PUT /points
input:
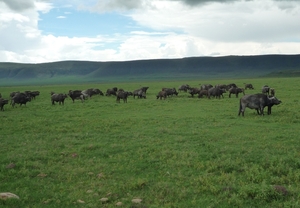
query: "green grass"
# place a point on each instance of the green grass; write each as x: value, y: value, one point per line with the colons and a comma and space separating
x: 178, y: 152
x: 161, y: 77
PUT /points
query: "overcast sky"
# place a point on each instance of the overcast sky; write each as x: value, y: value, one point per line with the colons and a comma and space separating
x: 36, y: 31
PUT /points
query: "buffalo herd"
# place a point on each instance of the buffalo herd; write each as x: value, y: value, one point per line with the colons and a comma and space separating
x: 266, y: 98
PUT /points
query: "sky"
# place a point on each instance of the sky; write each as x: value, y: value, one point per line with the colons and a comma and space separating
x: 39, y: 31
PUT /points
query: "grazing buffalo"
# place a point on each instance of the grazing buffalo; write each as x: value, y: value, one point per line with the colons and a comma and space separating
x: 265, y: 89
x: 203, y: 93
x: 98, y: 92
x: 236, y: 91
x: 76, y: 95
x: 257, y: 102
x: 162, y: 94
x: 129, y: 93
x: 184, y: 88
x: 248, y: 86
x: 20, y: 98
x: 32, y: 94
x: 139, y: 93
x: 112, y: 91
x: 2, y: 103
x: 170, y: 91
x: 92, y: 91
x: 60, y: 98
x: 121, y: 94
x: 215, y: 92
x: 193, y: 91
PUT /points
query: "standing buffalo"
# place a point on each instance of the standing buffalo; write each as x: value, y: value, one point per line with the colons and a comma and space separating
x: 121, y: 94
x: 162, y: 94
x: 144, y: 89
x: 203, y: 93
x: 170, y: 91
x: 236, y: 91
x: 92, y: 91
x: 265, y: 89
x: 60, y: 98
x: 193, y: 91
x: 248, y: 86
x: 272, y: 92
x: 206, y: 86
x: 19, y: 98
x: 32, y: 94
x: 231, y: 85
x: 12, y: 94
x: 215, y: 92
x: 184, y: 88
x: 112, y: 91
x: 222, y: 86
x: 139, y: 93
x: 2, y: 103
x: 76, y: 94
x: 258, y: 102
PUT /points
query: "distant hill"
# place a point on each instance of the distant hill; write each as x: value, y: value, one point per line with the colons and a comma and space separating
x: 226, y: 66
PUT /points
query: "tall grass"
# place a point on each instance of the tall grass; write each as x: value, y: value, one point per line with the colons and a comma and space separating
x: 178, y: 152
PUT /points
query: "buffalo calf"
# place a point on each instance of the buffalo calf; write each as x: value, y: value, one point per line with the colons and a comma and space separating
x: 2, y: 103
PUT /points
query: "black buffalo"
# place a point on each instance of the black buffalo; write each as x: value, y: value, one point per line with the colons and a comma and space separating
x: 2, y: 103
x: 265, y: 89
x: 121, y: 94
x: 60, y: 98
x: 161, y: 94
x: 257, y: 102
x: 272, y: 92
x: 184, y: 88
x: 92, y: 91
x: 139, y: 93
x: 203, y: 93
x: 248, y: 86
x: 20, y: 98
x: 206, y: 86
x: 222, y: 86
x: 32, y: 94
x: 112, y: 91
x: 170, y: 91
x: 231, y: 85
x: 194, y: 91
x: 215, y: 92
x: 76, y: 95
x: 236, y: 91
x: 144, y: 89
x: 12, y: 94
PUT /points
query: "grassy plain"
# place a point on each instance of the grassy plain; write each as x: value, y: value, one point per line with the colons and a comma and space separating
x: 178, y: 152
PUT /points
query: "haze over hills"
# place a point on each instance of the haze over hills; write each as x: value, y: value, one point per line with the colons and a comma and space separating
x: 227, y: 66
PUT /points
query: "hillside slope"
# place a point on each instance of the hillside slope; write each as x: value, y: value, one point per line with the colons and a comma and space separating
x: 237, y: 66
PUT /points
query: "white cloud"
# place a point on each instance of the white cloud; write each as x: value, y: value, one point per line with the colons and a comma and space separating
x: 167, y: 29
x: 18, y: 5
x: 243, y: 21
